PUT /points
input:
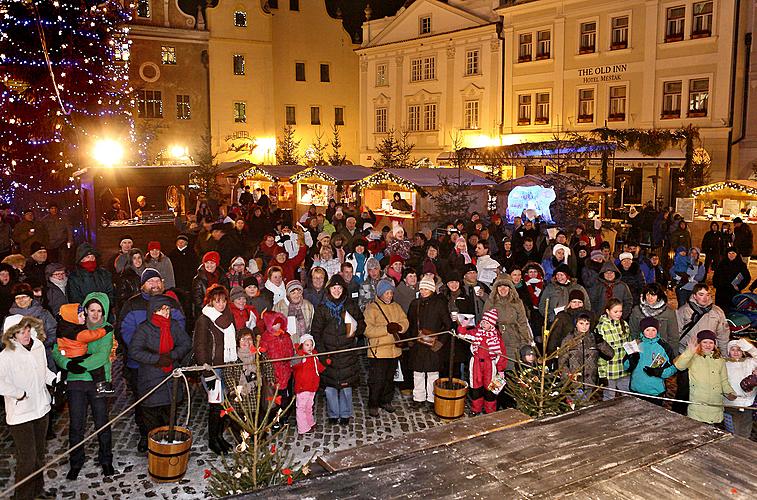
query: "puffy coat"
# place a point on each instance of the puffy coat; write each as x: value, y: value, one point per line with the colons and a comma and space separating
x: 145, y: 349
x: 618, y: 289
x: 200, y: 284
x: 557, y: 295
x: 726, y: 272
x: 564, y: 324
x: 82, y: 282
x: 583, y: 356
x: 331, y: 335
x: 127, y: 285
x: 207, y: 342
x: 278, y: 345
x: 49, y: 326
x: 184, y: 264
x: 708, y: 383
x: 512, y: 321
x: 634, y: 278
x: 380, y: 340
x: 712, y: 318
x: 164, y: 266
x: 430, y: 313
x: 307, y: 373
x: 24, y: 370
x: 649, y: 348
x: 662, y: 312
x: 739, y: 370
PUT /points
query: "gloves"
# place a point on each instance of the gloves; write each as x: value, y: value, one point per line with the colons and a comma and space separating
x: 632, y: 358
x: 164, y: 360
x: 108, y: 329
x: 653, y: 372
x: 75, y: 368
x: 394, y: 328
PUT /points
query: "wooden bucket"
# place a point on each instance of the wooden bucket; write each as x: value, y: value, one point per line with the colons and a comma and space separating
x: 449, y: 403
x: 167, y: 463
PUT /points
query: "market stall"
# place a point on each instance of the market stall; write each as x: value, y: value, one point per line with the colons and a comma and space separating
x: 273, y: 180
x: 721, y: 202
x: 151, y: 197
x: 416, y: 187
x: 319, y: 184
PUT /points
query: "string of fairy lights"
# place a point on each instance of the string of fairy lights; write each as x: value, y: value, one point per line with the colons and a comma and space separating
x: 718, y: 186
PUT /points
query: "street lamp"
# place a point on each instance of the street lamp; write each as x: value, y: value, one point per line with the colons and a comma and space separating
x: 107, y: 152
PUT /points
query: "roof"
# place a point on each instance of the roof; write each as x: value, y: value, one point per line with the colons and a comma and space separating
x: 333, y: 173
x: 737, y: 188
x: 542, y: 179
x: 272, y: 172
x: 419, y: 178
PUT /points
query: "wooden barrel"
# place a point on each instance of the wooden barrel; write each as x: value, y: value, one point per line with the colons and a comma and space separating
x: 167, y: 463
x: 449, y: 403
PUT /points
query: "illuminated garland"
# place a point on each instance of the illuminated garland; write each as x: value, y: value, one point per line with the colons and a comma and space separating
x: 723, y: 185
x: 312, y: 172
x: 384, y: 177
x: 253, y: 171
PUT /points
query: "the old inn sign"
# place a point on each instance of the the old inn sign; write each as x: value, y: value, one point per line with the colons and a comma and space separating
x: 608, y: 73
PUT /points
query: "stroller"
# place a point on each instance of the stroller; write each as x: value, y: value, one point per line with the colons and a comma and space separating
x: 742, y: 320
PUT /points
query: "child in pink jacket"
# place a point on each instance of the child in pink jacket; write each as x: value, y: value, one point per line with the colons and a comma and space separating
x: 488, y: 359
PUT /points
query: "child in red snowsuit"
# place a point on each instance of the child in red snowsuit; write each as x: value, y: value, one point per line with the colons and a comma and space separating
x: 487, y: 360
x: 278, y: 344
x: 307, y: 377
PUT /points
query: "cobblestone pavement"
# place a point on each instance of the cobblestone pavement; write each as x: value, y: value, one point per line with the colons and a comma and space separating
x: 132, y: 480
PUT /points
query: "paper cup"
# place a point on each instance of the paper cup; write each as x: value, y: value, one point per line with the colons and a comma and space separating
x: 453, y: 314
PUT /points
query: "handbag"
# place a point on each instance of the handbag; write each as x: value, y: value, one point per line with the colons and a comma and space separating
x: 396, y: 336
x: 425, y: 334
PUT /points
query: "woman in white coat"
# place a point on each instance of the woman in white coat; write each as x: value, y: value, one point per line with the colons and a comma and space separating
x: 23, y: 379
x: 741, y: 364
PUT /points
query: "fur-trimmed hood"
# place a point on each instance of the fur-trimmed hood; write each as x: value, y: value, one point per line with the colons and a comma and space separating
x: 15, y: 323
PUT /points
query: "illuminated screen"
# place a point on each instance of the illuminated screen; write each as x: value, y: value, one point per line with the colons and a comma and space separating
x: 536, y: 198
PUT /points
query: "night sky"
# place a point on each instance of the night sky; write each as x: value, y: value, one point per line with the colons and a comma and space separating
x: 353, y: 11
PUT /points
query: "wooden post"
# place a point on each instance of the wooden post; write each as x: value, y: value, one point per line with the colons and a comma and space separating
x: 450, y: 383
x: 172, y: 415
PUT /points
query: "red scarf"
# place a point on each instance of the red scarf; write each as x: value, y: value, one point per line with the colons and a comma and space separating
x: 89, y: 265
x: 166, y: 341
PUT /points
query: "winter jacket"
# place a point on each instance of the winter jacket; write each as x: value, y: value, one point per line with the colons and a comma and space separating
x: 726, y: 273
x: 81, y: 282
x: 711, y: 318
x: 590, y: 273
x: 404, y: 295
x: 308, y: 311
x: 307, y: 373
x: 200, y: 285
x: 367, y: 292
x: 469, y: 302
x: 680, y: 238
x: 431, y: 314
x: 23, y: 237
x: 24, y: 371
x: 712, y: 243
x: 164, y: 266
x: 615, y: 333
x: 583, y: 356
x: 58, y: 230
x: 145, y: 350
x: 558, y: 295
x: 662, y: 312
x: 133, y: 313
x: 742, y: 240
x: 615, y: 289
x: 35, y: 310
x: 641, y: 381
x: 127, y: 285
x: 634, y: 278
x: 278, y: 346
x: 207, y: 342
x: 330, y: 334
x: 739, y: 370
x: 54, y: 297
x: 185, y: 263
x: 708, y: 383
x: 380, y: 340
x: 512, y: 321
x: 5, y: 237
x: 564, y: 324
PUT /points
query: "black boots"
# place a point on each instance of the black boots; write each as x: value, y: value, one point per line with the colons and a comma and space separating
x: 215, y: 431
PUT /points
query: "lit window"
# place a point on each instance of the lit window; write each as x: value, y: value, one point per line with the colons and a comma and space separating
x: 381, y: 75
x: 414, y: 118
x: 429, y: 117
x: 472, y: 66
x: 183, y: 110
x: 238, y: 64
x: 143, y: 8
x: 525, y: 48
x: 702, y: 25
x: 315, y: 115
x: 619, y: 33
x: 699, y: 94
x: 424, y: 26
x: 240, y: 18
x: 544, y: 44
x: 470, y: 115
x: 380, y: 120
x: 168, y: 54
x: 299, y: 71
x: 240, y: 112
x: 671, y: 99
x: 588, y: 38
x: 149, y: 104
x: 325, y: 73
x: 291, y: 115
x: 542, y: 108
x: 524, y: 109
x: 585, y: 105
x: 617, y: 104
x: 338, y: 116
x: 674, y: 21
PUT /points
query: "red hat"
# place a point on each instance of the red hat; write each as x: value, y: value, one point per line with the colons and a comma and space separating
x: 214, y: 256
x: 270, y: 318
x: 490, y: 316
x: 153, y: 245
x: 395, y: 258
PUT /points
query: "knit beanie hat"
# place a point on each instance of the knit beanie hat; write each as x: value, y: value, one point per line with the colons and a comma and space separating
x: 153, y: 245
x: 372, y: 263
x: 563, y: 268
x: 149, y: 273
x: 561, y: 247
x: 427, y: 283
x: 36, y: 247
x: 526, y: 350
x: 490, y: 316
x: 649, y: 322
x: 597, y: 254
x: 125, y: 237
x: 212, y: 256
x: 395, y: 258
x: 384, y: 286
x: 707, y: 335
x: 293, y: 285
x: 236, y: 293
x: 576, y: 295
x: 625, y: 255
x: 237, y: 260
x: 70, y: 313
x: 250, y: 281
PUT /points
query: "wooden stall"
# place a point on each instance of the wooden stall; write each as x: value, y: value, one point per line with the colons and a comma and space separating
x: 721, y: 202
x: 164, y: 189
x: 274, y: 180
x: 319, y: 184
x: 416, y: 186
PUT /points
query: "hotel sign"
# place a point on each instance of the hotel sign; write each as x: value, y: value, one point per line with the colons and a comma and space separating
x: 608, y: 73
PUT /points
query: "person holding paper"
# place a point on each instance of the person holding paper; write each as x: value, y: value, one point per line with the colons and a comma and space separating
x: 651, y: 362
x: 614, y: 330
x: 730, y: 278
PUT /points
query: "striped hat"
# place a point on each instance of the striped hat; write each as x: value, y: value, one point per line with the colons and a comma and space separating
x: 490, y: 316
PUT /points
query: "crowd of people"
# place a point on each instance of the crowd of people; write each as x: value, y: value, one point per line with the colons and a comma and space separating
x: 249, y: 283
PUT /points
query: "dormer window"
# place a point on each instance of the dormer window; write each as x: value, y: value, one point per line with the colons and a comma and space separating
x: 425, y: 25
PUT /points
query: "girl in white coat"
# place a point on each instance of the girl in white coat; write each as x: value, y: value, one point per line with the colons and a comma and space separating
x: 23, y: 379
x: 741, y: 363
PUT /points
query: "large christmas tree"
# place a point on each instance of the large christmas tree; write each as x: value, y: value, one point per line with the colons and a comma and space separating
x: 64, y: 86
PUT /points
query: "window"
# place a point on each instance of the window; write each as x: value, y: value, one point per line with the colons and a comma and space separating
x: 671, y: 99
x: 524, y: 47
x: 291, y: 115
x: 524, y: 109
x: 470, y: 115
x: 472, y: 66
x: 315, y: 115
x: 674, y: 21
x: 702, y: 25
x: 299, y: 71
x: 121, y: 51
x: 619, y: 33
x: 240, y: 18
x: 585, y: 105
x: 588, y: 38
x: 240, y: 112
x: 542, y: 108
x: 338, y: 116
x: 325, y: 73
x: 414, y: 118
x: 429, y: 117
x: 544, y: 44
x: 143, y: 8
x: 424, y: 25
x: 238, y: 64
x: 381, y: 75
x: 380, y: 120
x: 183, y: 111
x: 294, y: 4
x: 168, y: 54
x: 149, y: 104
x: 617, y: 104
x: 423, y: 68
x: 699, y: 94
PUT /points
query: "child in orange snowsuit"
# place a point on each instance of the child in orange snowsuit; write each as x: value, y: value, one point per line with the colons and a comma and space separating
x: 73, y: 337
x: 488, y: 359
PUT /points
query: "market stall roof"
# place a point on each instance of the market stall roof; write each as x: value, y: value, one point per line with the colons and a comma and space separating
x: 139, y: 175
x: 420, y: 178
x: 332, y: 173
x: 741, y: 189
x: 542, y: 179
x: 542, y: 149
x: 274, y: 173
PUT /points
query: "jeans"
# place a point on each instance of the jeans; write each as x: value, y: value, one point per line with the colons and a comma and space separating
x: 29, y: 439
x: 80, y: 396
x: 423, y: 389
x: 381, y: 381
x: 622, y: 383
x: 339, y: 402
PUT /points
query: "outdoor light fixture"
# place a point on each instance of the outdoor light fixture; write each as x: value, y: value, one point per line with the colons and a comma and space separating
x: 178, y: 152
x: 108, y: 152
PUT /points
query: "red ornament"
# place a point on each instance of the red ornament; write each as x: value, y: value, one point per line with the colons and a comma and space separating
x: 262, y: 349
x: 289, y: 480
x: 273, y: 448
x: 286, y: 472
x: 226, y: 411
x: 207, y: 474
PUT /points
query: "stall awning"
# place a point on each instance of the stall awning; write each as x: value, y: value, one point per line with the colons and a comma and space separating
x: 139, y: 175
x: 420, y: 178
x: 544, y: 179
x: 273, y: 173
x: 333, y: 174
x: 744, y: 189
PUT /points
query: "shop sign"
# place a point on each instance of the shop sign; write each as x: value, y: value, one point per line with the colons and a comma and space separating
x: 608, y: 73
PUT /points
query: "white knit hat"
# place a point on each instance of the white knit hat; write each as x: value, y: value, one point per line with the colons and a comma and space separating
x: 625, y: 255
x: 427, y: 283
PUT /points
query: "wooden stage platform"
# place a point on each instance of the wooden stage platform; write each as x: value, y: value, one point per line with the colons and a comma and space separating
x: 625, y: 448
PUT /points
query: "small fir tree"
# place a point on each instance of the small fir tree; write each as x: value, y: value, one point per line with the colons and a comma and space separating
x: 336, y: 157
x: 287, y: 148
x: 316, y: 154
x: 387, y: 151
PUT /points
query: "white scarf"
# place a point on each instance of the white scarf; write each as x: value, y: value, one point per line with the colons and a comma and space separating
x: 279, y: 292
x: 229, y: 334
x: 61, y: 284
